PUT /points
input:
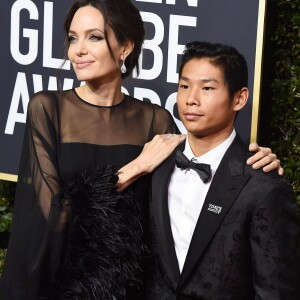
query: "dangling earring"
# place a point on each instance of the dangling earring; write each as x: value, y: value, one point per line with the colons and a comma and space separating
x: 123, y: 67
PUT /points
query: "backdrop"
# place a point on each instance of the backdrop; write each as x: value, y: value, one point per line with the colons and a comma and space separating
x: 31, y: 55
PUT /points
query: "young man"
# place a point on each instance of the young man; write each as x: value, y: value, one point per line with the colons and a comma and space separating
x: 223, y: 231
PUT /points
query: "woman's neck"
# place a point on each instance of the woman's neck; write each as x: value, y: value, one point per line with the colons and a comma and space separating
x: 104, y: 94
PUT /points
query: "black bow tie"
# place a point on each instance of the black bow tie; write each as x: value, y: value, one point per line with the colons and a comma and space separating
x: 203, y: 170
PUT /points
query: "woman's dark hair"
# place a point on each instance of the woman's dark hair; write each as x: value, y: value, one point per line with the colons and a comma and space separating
x: 232, y: 63
x: 125, y: 21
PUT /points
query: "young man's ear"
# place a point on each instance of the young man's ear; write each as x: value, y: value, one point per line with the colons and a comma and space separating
x: 240, y: 99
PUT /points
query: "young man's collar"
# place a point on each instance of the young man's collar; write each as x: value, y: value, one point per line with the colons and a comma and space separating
x: 210, y: 156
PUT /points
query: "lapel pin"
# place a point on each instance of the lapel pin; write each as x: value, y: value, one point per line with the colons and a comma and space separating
x: 214, y: 208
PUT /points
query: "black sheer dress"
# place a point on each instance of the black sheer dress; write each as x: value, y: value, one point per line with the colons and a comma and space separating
x: 73, y: 236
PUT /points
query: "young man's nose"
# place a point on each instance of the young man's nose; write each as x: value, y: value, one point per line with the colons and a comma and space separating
x: 193, y: 97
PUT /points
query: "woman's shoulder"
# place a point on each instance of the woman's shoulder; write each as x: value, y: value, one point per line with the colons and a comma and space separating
x: 47, y: 99
x: 161, y: 119
x: 148, y: 106
x: 46, y: 95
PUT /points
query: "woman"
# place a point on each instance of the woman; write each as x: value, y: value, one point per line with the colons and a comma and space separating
x: 73, y: 235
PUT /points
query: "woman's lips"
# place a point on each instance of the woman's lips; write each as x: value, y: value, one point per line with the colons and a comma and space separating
x: 83, y: 64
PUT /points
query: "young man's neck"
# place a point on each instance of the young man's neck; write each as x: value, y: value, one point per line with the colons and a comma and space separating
x: 202, y: 144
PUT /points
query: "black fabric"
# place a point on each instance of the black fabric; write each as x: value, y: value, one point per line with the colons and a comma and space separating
x: 104, y: 250
x: 203, y: 170
x: 248, y: 250
x: 66, y: 137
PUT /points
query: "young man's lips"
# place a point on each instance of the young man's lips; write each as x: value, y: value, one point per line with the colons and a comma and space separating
x: 192, y: 116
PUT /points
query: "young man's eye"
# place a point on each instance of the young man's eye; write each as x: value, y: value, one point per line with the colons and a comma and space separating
x: 183, y: 86
x: 208, y: 88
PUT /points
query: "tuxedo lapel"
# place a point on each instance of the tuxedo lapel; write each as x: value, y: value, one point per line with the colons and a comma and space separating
x: 162, y: 235
x: 225, y: 187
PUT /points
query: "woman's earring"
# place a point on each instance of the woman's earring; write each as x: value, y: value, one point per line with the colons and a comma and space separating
x: 123, y: 67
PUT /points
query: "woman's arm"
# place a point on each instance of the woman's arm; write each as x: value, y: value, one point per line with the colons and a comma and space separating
x: 37, y: 234
x: 161, y: 146
x: 157, y: 150
x: 153, y: 154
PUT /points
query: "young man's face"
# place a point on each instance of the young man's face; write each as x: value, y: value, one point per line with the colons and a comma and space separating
x: 204, y: 104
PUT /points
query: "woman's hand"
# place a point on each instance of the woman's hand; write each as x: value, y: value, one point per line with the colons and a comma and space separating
x: 157, y: 150
x: 153, y: 154
x: 264, y: 158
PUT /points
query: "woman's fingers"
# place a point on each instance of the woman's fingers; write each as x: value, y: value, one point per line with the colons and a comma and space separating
x: 264, y: 158
x: 159, y: 148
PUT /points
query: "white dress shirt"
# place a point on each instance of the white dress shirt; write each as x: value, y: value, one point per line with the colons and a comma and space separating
x: 186, y: 195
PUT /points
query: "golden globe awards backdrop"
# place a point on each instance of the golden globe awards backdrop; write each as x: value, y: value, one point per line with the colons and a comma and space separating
x: 32, y: 53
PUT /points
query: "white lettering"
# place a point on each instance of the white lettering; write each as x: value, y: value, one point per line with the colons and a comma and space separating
x: 68, y: 84
x: 153, y: 45
x: 174, y: 47
x: 170, y: 103
x: 52, y: 83
x: 193, y: 3
x: 20, y: 93
x: 48, y: 60
x: 152, y: 1
x: 173, y: 2
x: 31, y: 34
x: 37, y: 82
x: 141, y: 93
x: 123, y: 90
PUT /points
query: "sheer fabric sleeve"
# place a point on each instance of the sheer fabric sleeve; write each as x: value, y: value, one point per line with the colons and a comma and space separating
x: 39, y: 212
x: 162, y: 122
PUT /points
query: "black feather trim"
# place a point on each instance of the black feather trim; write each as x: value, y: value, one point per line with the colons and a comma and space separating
x: 104, y: 246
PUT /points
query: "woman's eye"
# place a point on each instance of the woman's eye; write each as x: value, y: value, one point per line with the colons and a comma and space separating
x: 71, y: 39
x: 96, y: 37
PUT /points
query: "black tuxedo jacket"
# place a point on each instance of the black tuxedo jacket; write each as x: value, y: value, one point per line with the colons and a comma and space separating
x: 246, y: 251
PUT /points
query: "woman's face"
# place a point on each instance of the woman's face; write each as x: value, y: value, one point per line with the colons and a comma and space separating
x: 88, y: 50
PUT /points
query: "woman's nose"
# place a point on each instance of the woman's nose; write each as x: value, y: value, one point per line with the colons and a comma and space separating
x: 80, y: 48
